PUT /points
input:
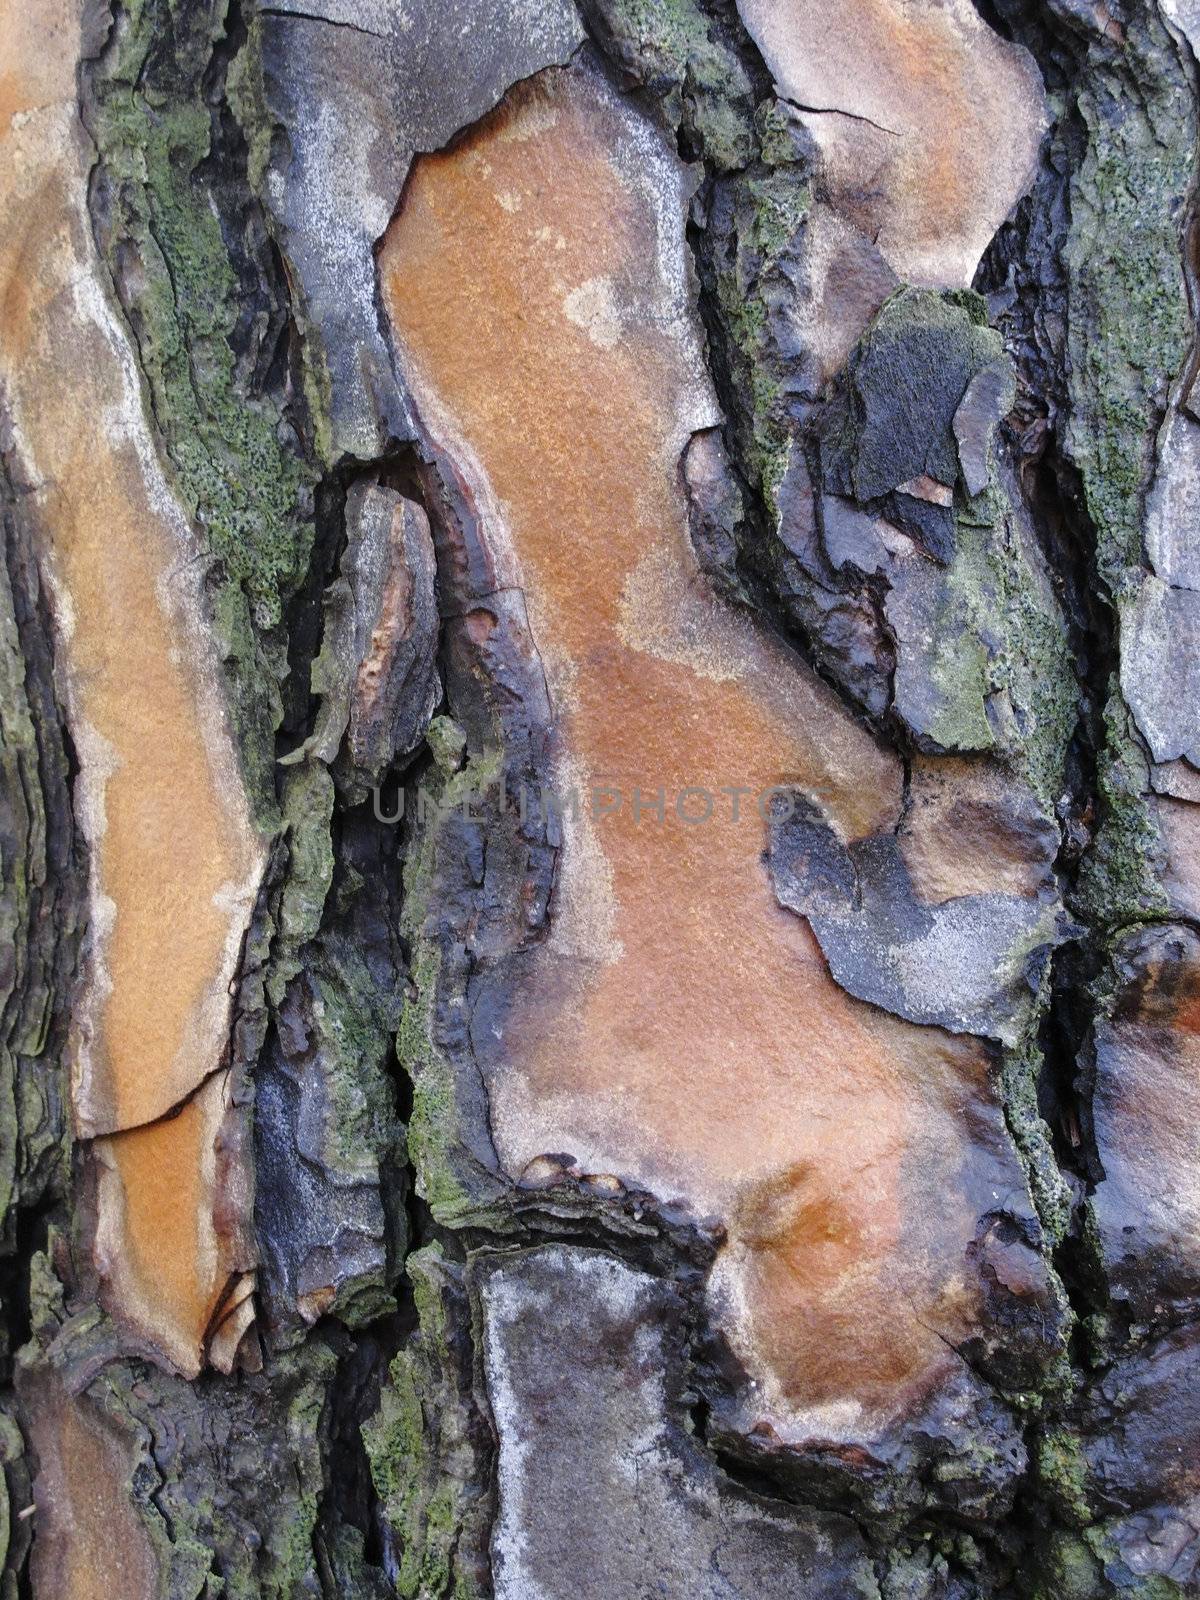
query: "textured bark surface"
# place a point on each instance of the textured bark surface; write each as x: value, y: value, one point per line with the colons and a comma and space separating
x: 599, y: 754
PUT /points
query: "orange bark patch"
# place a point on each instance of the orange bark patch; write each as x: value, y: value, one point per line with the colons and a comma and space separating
x: 158, y: 1244
x: 677, y: 1026
x: 939, y: 125
x: 174, y: 860
x: 170, y: 840
x: 91, y: 1544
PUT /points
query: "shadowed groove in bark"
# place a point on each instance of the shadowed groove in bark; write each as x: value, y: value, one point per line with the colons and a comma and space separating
x: 1030, y: 286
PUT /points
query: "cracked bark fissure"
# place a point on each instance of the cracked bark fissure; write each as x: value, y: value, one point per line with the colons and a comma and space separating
x: 428, y: 413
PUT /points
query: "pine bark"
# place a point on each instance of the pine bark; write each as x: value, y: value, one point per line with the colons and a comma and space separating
x: 599, y: 757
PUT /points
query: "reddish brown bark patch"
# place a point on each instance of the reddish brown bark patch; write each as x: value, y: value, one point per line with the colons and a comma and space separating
x: 677, y: 1027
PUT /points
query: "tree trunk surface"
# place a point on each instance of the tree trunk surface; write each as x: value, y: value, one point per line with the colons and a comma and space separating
x: 599, y: 783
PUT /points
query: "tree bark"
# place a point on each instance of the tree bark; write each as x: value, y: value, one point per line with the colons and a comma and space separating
x: 599, y: 757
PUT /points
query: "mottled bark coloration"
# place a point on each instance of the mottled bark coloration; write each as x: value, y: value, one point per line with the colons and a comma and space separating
x: 599, y: 762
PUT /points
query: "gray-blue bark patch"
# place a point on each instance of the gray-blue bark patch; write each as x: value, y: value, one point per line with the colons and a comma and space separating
x: 969, y: 964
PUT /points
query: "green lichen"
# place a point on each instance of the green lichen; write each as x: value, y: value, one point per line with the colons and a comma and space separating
x: 780, y: 204
x: 775, y: 124
x: 955, y: 660
x: 1128, y: 327
x: 1033, y: 676
x: 433, y: 1118
x: 22, y: 862
x: 1068, y: 1571
x: 160, y: 225
x: 1089, y: 1566
x: 673, y: 48
x: 1019, y: 1074
x: 345, y: 1569
x: 1128, y: 336
x: 8, y: 1577
x: 397, y: 1449
x: 350, y: 1015
x: 247, y: 92
x: 688, y: 61
x: 307, y: 797
x: 419, y: 1443
x: 353, y: 1035
x: 244, y: 1501
x: 153, y: 128
x: 18, y: 764
x: 1120, y: 879
x: 435, y: 1141
x: 1010, y: 682
x: 447, y: 744
x: 16, y: 1494
x: 984, y: 661
x: 39, y: 893
x: 253, y: 668
x: 350, y: 1021
x: 769, y: 211
x: 1062, y: 1476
